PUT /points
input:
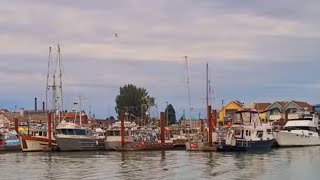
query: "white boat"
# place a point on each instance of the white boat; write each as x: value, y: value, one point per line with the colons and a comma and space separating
x: 73, y: 137
x: 300, y: 131
x: 113, y: 135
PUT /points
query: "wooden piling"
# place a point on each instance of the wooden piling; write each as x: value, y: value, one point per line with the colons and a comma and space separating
x: 202, y: 127
x: 214, y: 119
x: 16, y: 125
x: 28, y: 125
x: 210, y: 125
x: 49, y: 128
x: 162, y: 124
x: 122, y: 129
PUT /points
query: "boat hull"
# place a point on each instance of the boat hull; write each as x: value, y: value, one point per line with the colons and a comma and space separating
x: 11, y: 146
x: 80, y: 144
x: 33, y: 144
x: 247, y: 145
x: 287, y: 139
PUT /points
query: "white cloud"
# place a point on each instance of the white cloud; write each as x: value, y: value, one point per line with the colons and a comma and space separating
x: 154, y: 36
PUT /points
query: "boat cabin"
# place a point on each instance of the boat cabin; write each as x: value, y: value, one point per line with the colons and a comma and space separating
x: 114, y: 134
x: 248, y: 126
x: 67, y: 128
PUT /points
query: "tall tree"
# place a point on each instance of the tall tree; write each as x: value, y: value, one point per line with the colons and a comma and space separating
x: 170, y: 114
x: 133, y: 100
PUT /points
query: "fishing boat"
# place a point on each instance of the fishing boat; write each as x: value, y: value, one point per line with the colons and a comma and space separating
x: 247, y: 132
x: 42, y: 139
x: 300, y: 130
x: 38, y: 140
x: 9, y: 140
x: 73, y: 137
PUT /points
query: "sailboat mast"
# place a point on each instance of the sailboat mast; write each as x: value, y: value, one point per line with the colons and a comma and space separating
x: 48, y: 74
x: 188, y: 84
x: 60, y: 77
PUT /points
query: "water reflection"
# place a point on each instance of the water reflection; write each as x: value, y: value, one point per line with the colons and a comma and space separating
x: 276, y: 164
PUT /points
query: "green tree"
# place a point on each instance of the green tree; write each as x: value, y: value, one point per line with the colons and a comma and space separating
x: 170, y: 114
x: 134, y: 100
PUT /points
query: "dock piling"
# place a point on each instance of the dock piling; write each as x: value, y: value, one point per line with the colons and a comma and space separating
x: 162, y: 124
x: 122, y: 128
x: 210, y: 125
x: 49, y: 131
x: 16, y: 125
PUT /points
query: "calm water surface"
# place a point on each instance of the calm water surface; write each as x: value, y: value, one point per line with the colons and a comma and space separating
x: 288, y: 163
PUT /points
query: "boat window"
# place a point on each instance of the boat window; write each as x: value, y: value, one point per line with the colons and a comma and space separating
x: 248, y: 133
x: 109, y: 133
x: 71, y: 132
x: 44, y: 133
x: 259, y: 134
x: 12, y: 137
x: 40, y: 133
x: 126, y: 133
x: 314, y: 129
x: 298, y: 128
x: 237, y: 132
x: 64, y: 131
x: 80, y: 132
x: 269, y: 131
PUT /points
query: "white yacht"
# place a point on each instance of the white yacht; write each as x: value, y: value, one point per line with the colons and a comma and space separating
x: 300, y: 131
x: 72, y: 137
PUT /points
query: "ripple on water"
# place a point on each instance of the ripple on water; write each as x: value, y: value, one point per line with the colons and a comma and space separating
x: 284, y: 163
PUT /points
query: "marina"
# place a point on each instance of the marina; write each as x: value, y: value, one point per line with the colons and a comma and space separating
x: 159, y: 90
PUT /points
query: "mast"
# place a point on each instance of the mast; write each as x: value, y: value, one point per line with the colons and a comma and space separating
x: 48, y: 74
x: 60, y: 78
x: 54, y: 89
x: 188, y: 84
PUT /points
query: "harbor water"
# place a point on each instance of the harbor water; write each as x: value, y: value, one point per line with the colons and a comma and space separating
x: 286, y: 163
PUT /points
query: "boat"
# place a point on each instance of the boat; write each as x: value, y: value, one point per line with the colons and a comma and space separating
x: 135, y: 140
x: 42, y: 139
x: 113, y: 139
x: 247, y: 133
x: 301, y: 130
x: 9, y: 140
x: 38, y: 140
x: 73, y: 137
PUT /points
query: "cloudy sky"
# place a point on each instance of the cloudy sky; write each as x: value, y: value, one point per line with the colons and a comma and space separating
x: 258, y: 51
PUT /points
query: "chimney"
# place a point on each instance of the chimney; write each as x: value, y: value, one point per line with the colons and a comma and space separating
x: 35, y: 104
x: 43, y: 106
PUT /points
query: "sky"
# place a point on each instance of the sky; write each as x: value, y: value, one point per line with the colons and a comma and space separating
x: 257, y: 51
